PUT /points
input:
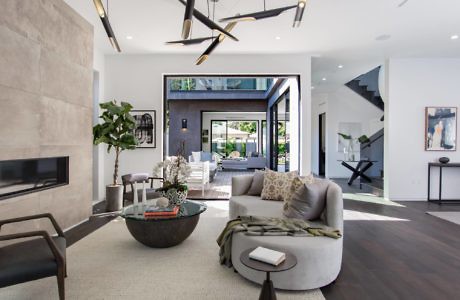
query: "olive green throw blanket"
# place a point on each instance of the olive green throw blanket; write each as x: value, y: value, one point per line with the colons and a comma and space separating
x: 267, y: 226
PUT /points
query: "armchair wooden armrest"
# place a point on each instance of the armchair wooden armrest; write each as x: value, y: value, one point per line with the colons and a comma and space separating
x: 39, y: 233
x: 33, y: 217
x: 161, y: 179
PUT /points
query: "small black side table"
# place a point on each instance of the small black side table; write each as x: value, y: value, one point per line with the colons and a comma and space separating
x: 268, y: 291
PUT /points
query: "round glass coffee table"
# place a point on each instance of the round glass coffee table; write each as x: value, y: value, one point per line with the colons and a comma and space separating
x: 162, y: 232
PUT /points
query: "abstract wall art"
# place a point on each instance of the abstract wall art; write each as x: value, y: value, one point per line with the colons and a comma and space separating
x: 145, y: 128
x: 441, y: 129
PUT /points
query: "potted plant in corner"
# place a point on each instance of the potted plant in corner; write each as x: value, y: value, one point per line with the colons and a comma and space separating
x: 116, y: 131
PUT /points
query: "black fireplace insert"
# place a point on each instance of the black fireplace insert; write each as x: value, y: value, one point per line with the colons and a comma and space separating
x: 24, y: 176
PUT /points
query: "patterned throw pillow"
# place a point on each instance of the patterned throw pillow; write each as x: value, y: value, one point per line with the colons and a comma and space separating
x: 277, y: 185
x: 297, y: 183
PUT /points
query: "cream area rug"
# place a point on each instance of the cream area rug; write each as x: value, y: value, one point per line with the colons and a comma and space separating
x: 110, y: 264
x: 451, y: 216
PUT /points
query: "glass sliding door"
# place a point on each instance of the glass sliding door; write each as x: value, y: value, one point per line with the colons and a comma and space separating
x: 264, y: 139
x: 219, y: 137
x: 280, y: 137
x: 234, y: 138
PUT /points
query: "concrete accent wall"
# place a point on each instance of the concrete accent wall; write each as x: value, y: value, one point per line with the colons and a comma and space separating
x: 191, y: 110
x: 46, y: 59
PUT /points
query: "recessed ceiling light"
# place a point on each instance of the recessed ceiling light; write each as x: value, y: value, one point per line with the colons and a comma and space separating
x: 383, y: 37
x: 278, y: 38
x: 340, y: 66
x: 312, y: 87
x: 324, y: 79
x: 454, y: 37
x: 129, y: 37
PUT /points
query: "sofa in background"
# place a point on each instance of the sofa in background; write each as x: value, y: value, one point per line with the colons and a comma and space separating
x: 253, y: 161
x: 206, y: 156
x: 319, y: 259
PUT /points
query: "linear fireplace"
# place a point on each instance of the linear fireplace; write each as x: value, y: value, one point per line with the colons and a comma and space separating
x: 24, y: 176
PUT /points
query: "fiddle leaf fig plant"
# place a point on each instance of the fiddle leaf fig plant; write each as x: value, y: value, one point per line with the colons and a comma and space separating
x: 116, y: 130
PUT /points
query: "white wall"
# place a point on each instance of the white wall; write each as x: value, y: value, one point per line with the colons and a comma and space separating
x: 341, y: 106
x: 414, y: 84
x: 139, y: 80
x: 208, y: 116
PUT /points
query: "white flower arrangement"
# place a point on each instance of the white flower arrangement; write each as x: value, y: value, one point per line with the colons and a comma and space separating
x: 175, y: 172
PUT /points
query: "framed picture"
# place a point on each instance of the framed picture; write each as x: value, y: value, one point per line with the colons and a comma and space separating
x: 352, y: 129
x: 205, y: 132
x: 205, y: 139
x: 145, y: 131
x: 440, y: 128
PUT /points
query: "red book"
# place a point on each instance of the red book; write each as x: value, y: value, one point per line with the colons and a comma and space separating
x: 162, y: 213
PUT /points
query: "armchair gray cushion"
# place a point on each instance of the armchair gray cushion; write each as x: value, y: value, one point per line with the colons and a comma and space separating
x: 29, y: 260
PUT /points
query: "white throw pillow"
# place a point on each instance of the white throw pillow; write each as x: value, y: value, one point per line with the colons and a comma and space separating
x: 196, y: 156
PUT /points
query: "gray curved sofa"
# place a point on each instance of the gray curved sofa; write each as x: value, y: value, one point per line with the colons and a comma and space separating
x: 319, y: 259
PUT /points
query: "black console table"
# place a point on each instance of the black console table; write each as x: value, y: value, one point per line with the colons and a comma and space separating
x: 440, y: 166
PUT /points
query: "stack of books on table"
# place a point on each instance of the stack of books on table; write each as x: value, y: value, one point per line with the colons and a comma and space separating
x: 268, y: 256
x: 159, y: 212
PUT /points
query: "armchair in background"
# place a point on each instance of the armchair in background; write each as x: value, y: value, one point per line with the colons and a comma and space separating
x: 202, y: 156
x: 199, y: 174
x: 130, y: 179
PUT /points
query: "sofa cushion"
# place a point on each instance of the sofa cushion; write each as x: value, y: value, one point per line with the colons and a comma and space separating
x: 308, y: 202
x: 297, y: 183
x: 206, y: 156
x: 253, y: 206
x: 257, y: 184
x: 277, y: 185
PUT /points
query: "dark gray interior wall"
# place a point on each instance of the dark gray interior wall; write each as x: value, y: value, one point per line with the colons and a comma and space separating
x: 191, y: 110
x: 374, y: 152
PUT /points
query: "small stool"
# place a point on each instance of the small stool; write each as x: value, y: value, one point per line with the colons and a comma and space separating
x: 268, y: 291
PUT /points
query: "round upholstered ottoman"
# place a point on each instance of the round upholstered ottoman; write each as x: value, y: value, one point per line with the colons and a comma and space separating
x: 318, y: 260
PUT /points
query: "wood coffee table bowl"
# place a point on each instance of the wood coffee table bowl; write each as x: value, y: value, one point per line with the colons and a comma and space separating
x: 163, y: 232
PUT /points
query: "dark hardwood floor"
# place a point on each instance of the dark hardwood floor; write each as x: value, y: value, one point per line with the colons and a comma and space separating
x: 417, y: 257
x: 95, y: 222
x: 414, y: 259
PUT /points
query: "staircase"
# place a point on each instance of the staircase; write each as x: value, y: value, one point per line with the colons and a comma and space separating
x: 367, y: 86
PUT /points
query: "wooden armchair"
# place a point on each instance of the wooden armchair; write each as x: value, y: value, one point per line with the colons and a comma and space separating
x: 33, y: 259
x: 129, y: 180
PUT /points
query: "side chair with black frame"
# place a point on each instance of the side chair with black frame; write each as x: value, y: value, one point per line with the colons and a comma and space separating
x: 33, y: 259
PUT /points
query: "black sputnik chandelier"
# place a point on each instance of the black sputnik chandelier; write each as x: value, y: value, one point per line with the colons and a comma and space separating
x: 192, y: 13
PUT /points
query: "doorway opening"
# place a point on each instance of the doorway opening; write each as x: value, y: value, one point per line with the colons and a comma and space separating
x: 322, y: 145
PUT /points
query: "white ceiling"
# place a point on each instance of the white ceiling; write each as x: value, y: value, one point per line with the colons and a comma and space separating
x: 333, y: 31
